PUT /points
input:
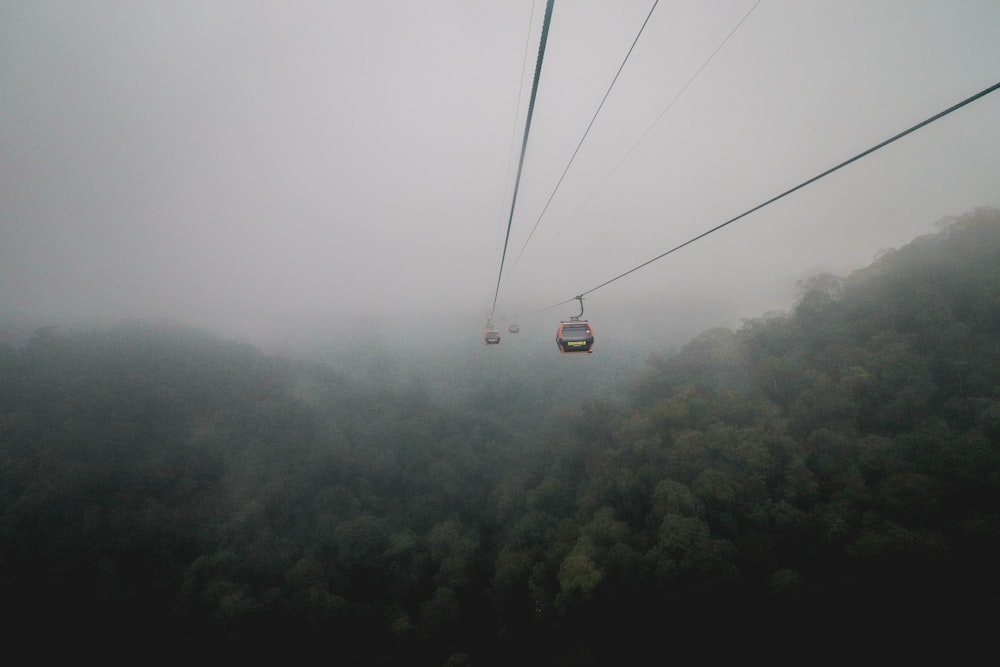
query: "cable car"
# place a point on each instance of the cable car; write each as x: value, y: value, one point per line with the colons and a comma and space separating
x: 575, y: 335
x: 492, y: 335
x: 513, y: 328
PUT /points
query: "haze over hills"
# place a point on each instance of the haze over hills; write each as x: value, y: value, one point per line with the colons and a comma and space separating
x: 248, y: 250
x: 827, y: 472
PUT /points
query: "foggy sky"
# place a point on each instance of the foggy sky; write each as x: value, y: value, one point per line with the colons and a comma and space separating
x: 263, y: 167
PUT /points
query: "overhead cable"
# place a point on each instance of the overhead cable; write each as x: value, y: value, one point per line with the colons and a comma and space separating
x: 517, y: 109
x: 587, y: 131
x: 829, y: 171
x: 524, y: 143
x: 664, y: 112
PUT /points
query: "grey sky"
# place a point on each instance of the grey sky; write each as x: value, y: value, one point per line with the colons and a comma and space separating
x: 256, y: 166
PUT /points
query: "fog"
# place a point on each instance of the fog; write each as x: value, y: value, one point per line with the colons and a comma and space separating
x: 292, y: 172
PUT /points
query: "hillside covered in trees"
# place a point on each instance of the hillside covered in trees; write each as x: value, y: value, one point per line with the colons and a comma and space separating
x: 817, y: 482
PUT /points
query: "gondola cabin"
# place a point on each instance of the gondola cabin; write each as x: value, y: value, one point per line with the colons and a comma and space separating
x: 513, y: 328
x: 575, y: 336
x: 492, y: 335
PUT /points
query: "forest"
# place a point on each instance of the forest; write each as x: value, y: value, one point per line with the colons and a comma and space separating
x: 816, y: 484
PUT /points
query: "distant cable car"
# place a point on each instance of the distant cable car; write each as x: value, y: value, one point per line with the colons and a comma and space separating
x: 492, y: 334
x: 575, y: 335
x: 513, y: 328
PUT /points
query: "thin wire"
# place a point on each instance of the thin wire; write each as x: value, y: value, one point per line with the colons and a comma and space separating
x: 517, y: 109
x: 660, y: 117
x: 829, y: 171
x: 586, y: 132
x: 524, y: 144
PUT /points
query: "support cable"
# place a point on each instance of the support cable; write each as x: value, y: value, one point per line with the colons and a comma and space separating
x: 524, y: 143
x: 586, y: 132
x: 520, y: 93
x: 662, y: 114
x: 829, y: 171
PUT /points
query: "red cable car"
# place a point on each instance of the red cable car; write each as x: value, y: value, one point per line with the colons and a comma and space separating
x: 575, y: 335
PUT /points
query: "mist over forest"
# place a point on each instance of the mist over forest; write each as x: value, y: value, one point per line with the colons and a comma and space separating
x: 805, y: 485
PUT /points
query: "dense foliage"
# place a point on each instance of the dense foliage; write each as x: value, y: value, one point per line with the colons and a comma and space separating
x: 828, y: 475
